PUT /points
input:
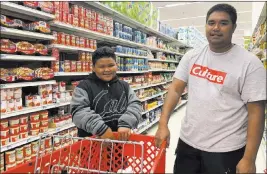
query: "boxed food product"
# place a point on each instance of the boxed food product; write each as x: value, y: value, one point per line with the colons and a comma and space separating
x: 36, y: 100
x: 3, y: 104
x: 17, y: 92
x: 3, y: 93
x: 40, y: 49
x: 72, y: 40
x: 55, y: 96
x: 55, y: 87
x: 61, y: 38
x: 49, y: 99
x: 3, y: 124
x: 4, y: 133
x: 43, y: 99
x: 29, y: 101
x: 42, y: 90
x: 73, y: 66
x: 10, y: 93
x: 14, y: 130
x: 11, y: 105
x: 62, y: 66
x: 34, y: 117
x: 31, y: 4
x: 46, y: 6
x: 18, y: 104
x: 23, y: 127
x: 25, y: 47
x: 67, y: 66
x: 5, y: 21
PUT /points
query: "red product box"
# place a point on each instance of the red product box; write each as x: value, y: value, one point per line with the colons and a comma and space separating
x: 75, y: 22
x: 70, y: 19
x: 72, y: 40
x: 73, y: 66
x: 55, y: 66
x: 75, y: 10
x: 61, y: 38
x: 57, y: 5
x: 92, y: 43
x: 87, y: 13
x: 93, y: 15
x: 93, y: 25
x: 54, y: 41
x: 64, y: 17
x: 81, y: 12
x: 87, y: 43
x: 86, y: 24
x: 81, y: 22
x: 58, y: 15
x: 65, y: 7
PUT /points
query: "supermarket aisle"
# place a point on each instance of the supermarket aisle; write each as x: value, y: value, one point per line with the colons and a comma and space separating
x: 175, y: 125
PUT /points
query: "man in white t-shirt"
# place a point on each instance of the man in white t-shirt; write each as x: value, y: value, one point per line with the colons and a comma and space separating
x: 224, y: 121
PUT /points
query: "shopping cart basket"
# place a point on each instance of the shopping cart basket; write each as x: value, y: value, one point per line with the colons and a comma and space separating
x: 92, y: 155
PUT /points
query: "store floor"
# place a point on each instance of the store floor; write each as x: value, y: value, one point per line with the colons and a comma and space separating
x: 175, y: 125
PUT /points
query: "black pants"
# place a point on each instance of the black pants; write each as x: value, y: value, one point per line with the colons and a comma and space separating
x: 193, y: 161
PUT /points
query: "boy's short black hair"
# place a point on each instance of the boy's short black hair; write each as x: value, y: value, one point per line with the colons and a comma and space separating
x: 224, y: 8
x: 103, y: 52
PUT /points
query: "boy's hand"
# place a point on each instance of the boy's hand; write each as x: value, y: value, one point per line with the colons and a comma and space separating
x: 124, y: 133
x: 108, y: 134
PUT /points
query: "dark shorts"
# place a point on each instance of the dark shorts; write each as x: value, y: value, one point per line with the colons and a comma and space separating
x: 193, y: 161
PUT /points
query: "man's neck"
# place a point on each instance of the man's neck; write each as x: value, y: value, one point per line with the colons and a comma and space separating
x: 220, y: 49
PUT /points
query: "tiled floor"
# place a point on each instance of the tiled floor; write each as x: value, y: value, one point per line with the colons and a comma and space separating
x: 174, y: 126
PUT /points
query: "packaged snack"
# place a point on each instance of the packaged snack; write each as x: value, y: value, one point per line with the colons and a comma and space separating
x: 8, y: 46
x: 18, y: 24
x: 77, y: 40
x: 61, y: 38
x: 44, y: 73
x: 72, y: 40
x: 67, y: 39
x: 18, y: 104
x: 64, y: 17
x: 29, y: 101
x: 79, y: 66
x: 40, y: 26
x: 23, y: 73
x: 11, y: 105
x: 25, y: 47
x: 5, y: 21
x: 54, y: 41
x: 41, y: 49
x: 55, y: 53
x: 82, y: 42
x: 46, y: 6
x: 73, y: 66
x: 17, y: 93
x: 81, y: 22
x: 67, y: 67
x: 75, y: 21
x: 55, y: 66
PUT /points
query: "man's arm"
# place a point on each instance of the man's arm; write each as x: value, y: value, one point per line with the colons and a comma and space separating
x: 255, y: 128
x: 174, y: 93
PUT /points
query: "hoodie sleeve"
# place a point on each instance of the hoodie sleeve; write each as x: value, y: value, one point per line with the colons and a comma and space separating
x: 132, y: 116
x: 82, y: 115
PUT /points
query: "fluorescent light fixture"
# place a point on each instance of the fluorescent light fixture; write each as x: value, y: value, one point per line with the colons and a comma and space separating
x: 183, y: 18
x: 178, y: 4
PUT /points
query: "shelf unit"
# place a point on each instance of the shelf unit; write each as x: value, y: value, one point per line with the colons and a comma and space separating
x: 71, y: 73
x: 157, y: 119
x: 162, y: 70
x: 260, y: 40
x: 34, y: 138
x: 167, y: 61
x: 33, y: 109
x: 70, y: 48
x: 154, y: 96
x: 10, y: 57
x: 22, y: 33
x: 148, y: 86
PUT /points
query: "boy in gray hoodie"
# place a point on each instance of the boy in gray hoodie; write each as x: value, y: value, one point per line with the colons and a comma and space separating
x: 102, y: 104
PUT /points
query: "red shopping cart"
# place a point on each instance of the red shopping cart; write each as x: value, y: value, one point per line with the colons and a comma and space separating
x: 92, y: 155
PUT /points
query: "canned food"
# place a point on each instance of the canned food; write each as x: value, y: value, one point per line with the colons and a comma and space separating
x: 2, y: 160
x: 75, y: 10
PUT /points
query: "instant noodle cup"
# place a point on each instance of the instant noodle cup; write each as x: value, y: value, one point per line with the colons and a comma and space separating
x: 35, y: 117
x: 14, y: 130
x: 10, y: 157
x: 34, y: 132
x: 34, y: 125
x: 43, y: 115
x: 4, y: 141
x: 14, y: 138
x: 23, y: 119
x: 27, y: 152
x: 3, y: 124
x: 14, y: 121
x: 24, y: 134
x: 4, y: 133
x: 23, y: 127
x: 19, y: 154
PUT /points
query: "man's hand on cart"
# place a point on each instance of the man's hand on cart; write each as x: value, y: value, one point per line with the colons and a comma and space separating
x: 108, y: 135
x: 124, y: 133
x: 163, y: 133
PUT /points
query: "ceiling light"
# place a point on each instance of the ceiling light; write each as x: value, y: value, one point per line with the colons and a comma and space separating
x: 178, y: 4
x: 183, y: 18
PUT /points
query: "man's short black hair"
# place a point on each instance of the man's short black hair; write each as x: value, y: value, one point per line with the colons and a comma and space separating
x: 103, y: 52
x: 223, y: 8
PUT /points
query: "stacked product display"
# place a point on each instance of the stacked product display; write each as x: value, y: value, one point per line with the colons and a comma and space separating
x: 46, y: 50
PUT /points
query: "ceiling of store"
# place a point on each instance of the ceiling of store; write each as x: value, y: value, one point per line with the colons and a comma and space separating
x: 181, y: 14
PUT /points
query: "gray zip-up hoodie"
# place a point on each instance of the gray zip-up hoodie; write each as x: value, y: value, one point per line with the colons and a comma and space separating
x: 97, y: 105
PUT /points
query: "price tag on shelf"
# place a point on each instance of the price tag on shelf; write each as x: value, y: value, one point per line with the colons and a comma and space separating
x: 3, y: 56
x: 8, y: 147
x: 29, y: 139
x: 2, y: 85
x: 58, y: 129
x: 2, y: 28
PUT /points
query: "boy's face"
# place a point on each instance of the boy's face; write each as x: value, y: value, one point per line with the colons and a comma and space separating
x: 105, y: 68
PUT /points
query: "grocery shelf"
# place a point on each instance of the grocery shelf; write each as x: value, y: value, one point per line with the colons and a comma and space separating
x: 131, y: 72
x: 162, y: 50
x: 34, y: 138
x: 260, y: 40
x: 261, y: 19
x: 130, y: 55
x: 152, y: 109
x: 158, y: 60
x: 12, y: 7
x: 258, y: 53
x: 93, y: 35
x: 25, y: 84
x: 33, y: 109
x: 132, y: 23
x: 161, y: 70
x: 181, y: 104
x: 154, y: 96
x: 9, y: 57
x: 70, y: 48
x: 71, y: 73
x: 148, y: 86
x: 22, y: 33
x: 264, y: 59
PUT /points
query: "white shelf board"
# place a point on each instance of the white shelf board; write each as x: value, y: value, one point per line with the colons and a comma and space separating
x: 70, y: 48
x: 148, y: 86
x: 34, y: 138
x: 154, y: 96
x: 8, y: 57
x: 133, y: 23
x: 22, y: 33
x: 129, y: 55
x: 25, y: 84
x: 152, y: 109
x: 161, y: 70
x: 131, y: 72
x: 162, y: 50
x: 71, y: 73
x: 158, y: 60
x: 26, y: 11
x: 33, y: 109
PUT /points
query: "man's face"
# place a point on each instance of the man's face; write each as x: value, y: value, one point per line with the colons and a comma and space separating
x: 105, y: 68
x: 219, y: 28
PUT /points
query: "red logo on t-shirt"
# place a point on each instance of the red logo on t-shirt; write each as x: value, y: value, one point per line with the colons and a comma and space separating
x: 209, y: 74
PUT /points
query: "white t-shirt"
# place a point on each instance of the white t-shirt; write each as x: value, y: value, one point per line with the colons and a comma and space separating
x: 219, y: 86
